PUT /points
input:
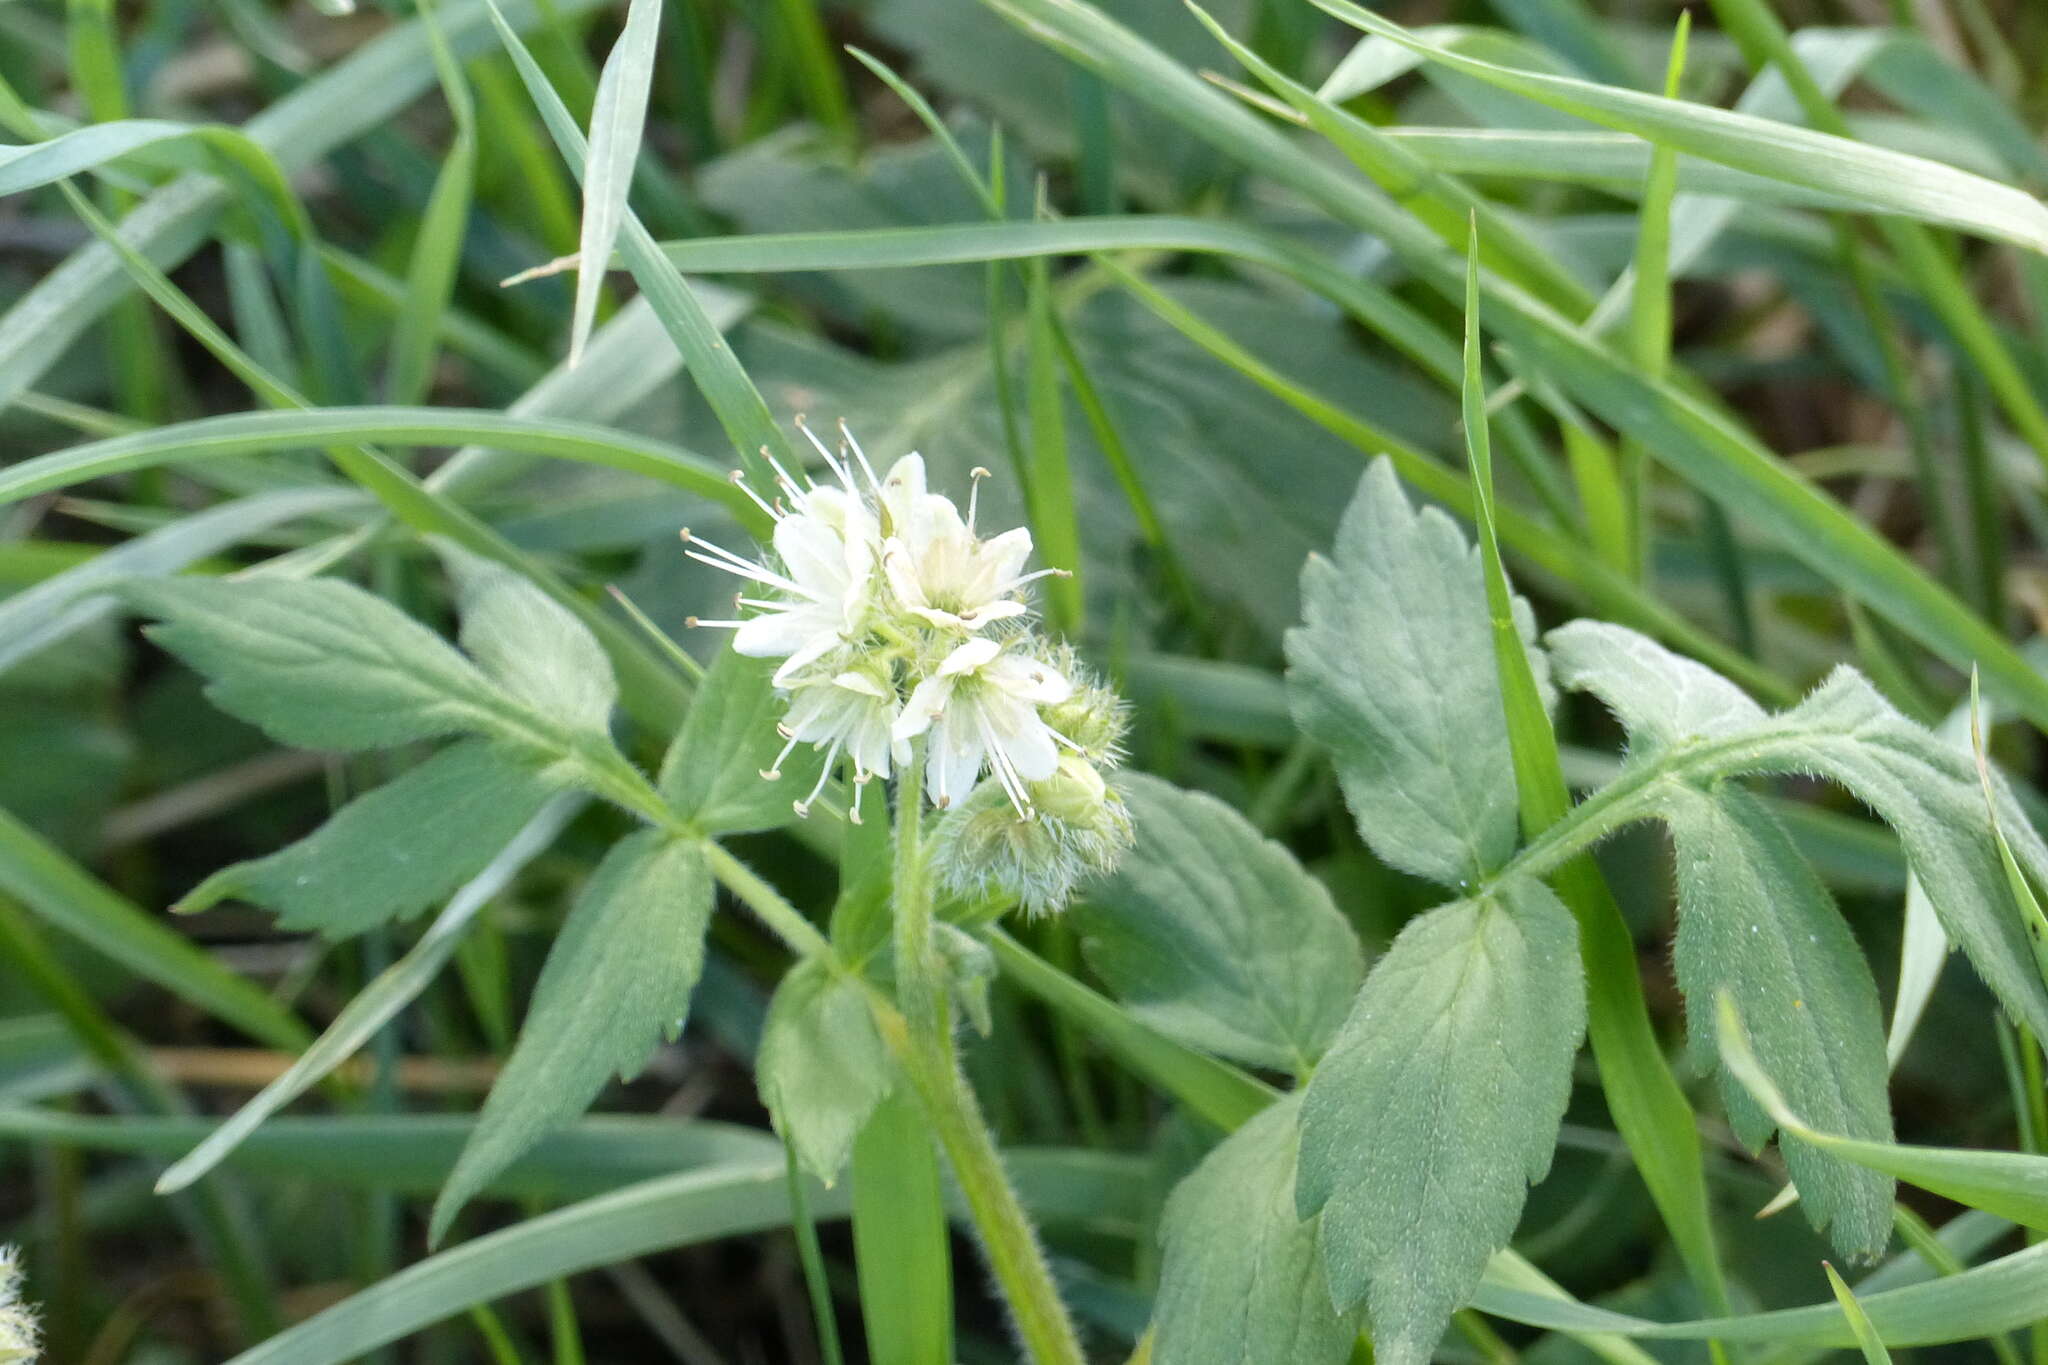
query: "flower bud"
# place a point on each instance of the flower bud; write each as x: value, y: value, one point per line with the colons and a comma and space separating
x: 1094, y: 717
x: 1078, y: 828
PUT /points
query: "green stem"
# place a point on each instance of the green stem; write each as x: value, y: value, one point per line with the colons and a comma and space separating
x: 787, y: 922
x: 922, y: 1040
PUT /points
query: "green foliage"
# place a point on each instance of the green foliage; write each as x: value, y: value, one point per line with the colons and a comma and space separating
x: 711, y: 775
x: 1755, y: 921
x: 617, y: 981
x: 394, y: 851
x: 1241, y: 1281
x: 1217, y: 937
x: 319, y: 664
x: 1392, y: 672
x: 1437, y: 1104
x: 822, y: 1067
x: 1178, y: 317
x: 532, y: 646
x: 1922, y: 786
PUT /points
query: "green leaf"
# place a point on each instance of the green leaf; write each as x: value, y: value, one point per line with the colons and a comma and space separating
x: 320, y: 664
x: 618, y: 978
x: 823, y: 1067
x: 1917, y: 782
x: 2012, y: 1185
x: 531, y: 645
x: 394, y: 851
x: 712, y: 775
x: 1391, y: 671
x: 1216, y: 936
x: 1241, y: 1282
x: 1437, y: 1104
x: 1662, y: 699
x: 1755, y: 922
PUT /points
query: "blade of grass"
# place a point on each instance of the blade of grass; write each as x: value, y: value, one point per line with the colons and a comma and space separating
x: 1050, y: 490
x: 437, y: 251
x: 900, y: 1239
x: 221, y: 1222
x: 256, y: 433
x: 616, y: 122
x: 724, y: 383
x: 1909, y: 185
x: 358, y: 93
x: 379, y: 1002
x: 1763, y: 42
x: 1642, y: 1093
x: 67, y: 897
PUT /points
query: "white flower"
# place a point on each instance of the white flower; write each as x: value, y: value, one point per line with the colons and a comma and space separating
x: 853, y: 712
x: 981, y: 708
x: 827, y: 547
x: 940, y: 571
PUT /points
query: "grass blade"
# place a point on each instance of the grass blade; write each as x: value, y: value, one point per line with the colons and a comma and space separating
x: 380, y: 1001
x: 616, y: 122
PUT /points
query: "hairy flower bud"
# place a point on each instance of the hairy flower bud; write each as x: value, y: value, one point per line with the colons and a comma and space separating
x: 1093, y: 716
x: 1078, y: 829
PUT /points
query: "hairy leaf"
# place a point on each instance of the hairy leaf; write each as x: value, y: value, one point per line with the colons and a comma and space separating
x: 1755, y: 921
x: 318, y: 663
x: 823, y: 1067
x: 1240, y: 1281
x: 1216, y: 936
x: 1661, y: 698
x: 712, y: 774
x: 1392, y: 672
x: 618, y: 978
x: 1919, y: 784
x: 1437, y: 1104
x: 531, y: 645
x: 394, y: 851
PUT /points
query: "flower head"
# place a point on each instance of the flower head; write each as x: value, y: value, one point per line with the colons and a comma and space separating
x: 981, y: 707
x: 898, y: 624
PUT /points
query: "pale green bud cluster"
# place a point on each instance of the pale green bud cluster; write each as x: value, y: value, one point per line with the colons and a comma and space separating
x: 18, y: 1334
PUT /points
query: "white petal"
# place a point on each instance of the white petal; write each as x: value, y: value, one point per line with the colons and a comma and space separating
x: 1002, y: 557
x: 815, y: 648
x: 861, y: 683
x: 956, y: 753
x: 1031, y: 750
x: 814, y: 554
x: 869, y: 743
x: 970, y: 657
x: 1028, y: 679
x: 771, y: 635
x: 901, y: 567
x: 815, y: 714
x: 902, y: 488
x: 927, y: 701
x: 992, y: 611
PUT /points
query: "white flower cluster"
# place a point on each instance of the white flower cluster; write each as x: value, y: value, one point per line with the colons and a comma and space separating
x: 18, y: 1335
x: 894, y: 619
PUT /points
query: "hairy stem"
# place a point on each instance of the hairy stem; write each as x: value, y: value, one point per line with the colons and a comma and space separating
x: 922, y: 1040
